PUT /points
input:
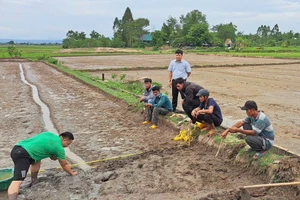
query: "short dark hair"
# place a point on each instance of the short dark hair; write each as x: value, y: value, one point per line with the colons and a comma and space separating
x: 147, y: 80
x: 68, y: 135
x: 179, y: 80
x: 179, y: 51
x: 156, y: 88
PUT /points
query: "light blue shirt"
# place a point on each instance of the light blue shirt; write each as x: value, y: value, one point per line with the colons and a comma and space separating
x: 179, y: 69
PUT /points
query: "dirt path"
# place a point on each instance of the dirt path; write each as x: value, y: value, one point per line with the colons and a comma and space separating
x: 20, y: 117
x: 103, y: 62
x: 106, y: 127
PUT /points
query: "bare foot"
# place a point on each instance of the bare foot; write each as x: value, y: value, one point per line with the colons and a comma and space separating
x: 212, y: 132
x: 205, y: 129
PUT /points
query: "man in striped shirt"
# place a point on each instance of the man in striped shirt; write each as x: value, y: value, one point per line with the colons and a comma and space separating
x: 257, y: 128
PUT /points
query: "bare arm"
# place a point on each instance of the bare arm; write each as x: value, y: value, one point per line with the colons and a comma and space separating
x: 236, y: 128
x: 189, y: 73
x: 237, y: 125
x: 210, y: 110
x: 170, y: 78
x: 194, y: 112
x: 64, y: 164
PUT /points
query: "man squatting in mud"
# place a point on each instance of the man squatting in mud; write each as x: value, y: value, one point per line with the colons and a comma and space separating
x: 190, y: 100
x: 257, y: 128
x: 29, y: 153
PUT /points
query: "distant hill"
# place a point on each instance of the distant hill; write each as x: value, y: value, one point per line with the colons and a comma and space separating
x: 3, y: 41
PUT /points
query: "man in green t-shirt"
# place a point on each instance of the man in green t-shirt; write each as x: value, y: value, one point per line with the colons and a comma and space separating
x: 31, y: 151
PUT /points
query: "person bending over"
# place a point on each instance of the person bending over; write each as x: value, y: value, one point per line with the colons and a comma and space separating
x: 188, y: 92
x: 29, y: 153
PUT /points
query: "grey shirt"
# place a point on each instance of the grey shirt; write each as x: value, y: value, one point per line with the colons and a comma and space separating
x: 148, y: 94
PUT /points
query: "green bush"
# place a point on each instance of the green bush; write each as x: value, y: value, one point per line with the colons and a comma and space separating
x: 53, y: 61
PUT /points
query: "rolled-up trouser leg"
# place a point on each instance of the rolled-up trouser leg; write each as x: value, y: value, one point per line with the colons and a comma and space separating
x: 255, y: 142
x: 156, y: 112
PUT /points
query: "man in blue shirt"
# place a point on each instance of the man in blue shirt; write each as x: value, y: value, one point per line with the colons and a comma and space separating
x: 257, y: 128
x: 161, y: 105
x: 208, y: 113
x: 178, y: 68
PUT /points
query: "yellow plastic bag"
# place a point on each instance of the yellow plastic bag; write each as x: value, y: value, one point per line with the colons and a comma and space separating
x: 180, y: 136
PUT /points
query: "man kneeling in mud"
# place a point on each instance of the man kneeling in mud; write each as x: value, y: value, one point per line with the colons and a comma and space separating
x: 29, y: 153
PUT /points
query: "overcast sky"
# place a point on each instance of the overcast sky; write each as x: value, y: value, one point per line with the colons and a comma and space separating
x: 51, y: 19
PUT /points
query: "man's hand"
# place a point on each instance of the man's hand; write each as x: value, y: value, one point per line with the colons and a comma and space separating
x: 225, y: 133
x: 147, y: 105
x: 170, y: 84
x: 74, y: 173
x: 53, y: 157
x: 141, y: 99
x: 182, y: 101
x: 194, y: 113
x: 198, y: 112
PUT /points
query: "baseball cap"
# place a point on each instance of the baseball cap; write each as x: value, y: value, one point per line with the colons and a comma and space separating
x: 202, y: 92
x: 249, y: 105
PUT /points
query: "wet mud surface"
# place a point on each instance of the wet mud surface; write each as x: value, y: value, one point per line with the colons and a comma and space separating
x: 105, y: 127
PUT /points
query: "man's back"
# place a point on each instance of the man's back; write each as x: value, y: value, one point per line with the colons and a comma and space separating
x: 43, y: 145
x: 189, y: 93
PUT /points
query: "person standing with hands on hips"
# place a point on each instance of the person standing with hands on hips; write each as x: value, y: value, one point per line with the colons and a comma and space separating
x: 178, y: 68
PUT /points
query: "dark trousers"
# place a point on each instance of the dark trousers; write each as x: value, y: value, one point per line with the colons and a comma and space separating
x: 257, y: 143
x: 175, y: 92
x: 188, y: 110
x: 209, y: 118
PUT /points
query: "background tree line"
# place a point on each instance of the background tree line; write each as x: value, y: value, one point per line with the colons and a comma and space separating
x: 191, y: 29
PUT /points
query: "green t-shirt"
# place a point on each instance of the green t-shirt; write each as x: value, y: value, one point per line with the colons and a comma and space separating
x: 44, y: 145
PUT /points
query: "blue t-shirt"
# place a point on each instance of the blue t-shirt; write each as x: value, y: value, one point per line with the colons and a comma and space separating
x: 211, y: 102
x: 179, y: 69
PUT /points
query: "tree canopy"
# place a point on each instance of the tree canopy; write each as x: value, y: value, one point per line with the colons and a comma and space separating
x: 190, y: 29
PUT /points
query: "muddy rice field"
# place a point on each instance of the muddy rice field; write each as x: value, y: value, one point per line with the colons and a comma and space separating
x: 147, y: 163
